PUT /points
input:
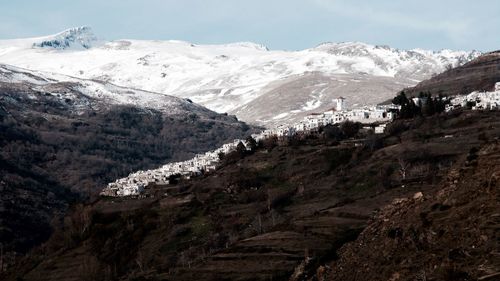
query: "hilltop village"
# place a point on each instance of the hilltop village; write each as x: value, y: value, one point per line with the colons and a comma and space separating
x: 135, y: 183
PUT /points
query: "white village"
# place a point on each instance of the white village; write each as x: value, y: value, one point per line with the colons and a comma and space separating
x: 477, y: 100
x: 135, y: 183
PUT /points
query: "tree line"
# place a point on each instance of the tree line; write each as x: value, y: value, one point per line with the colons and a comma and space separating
x: 426, y: 105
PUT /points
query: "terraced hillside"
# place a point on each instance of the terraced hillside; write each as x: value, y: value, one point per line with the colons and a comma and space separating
x: 279, y: 213
x: 449, y: 234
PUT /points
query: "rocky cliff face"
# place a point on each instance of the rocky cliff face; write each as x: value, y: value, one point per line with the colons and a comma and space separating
x: 74, y: 38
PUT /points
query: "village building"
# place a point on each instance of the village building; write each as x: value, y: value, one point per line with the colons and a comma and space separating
x: 478, y: 100
x: 136, y: 183
x: 380, y: 129
x: 339, y: 104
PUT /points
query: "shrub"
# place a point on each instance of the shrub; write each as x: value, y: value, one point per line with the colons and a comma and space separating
x: 373, y: 142
x: 333, y: 132
x: 337, y: 158
x: 396, y: 128
x: 350, y: 129
x: 270, y: 143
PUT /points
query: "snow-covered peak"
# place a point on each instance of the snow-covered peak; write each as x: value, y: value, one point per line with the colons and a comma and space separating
x: 356, y: 49
x: 77, y: 37
x: 249, y: 45
x: 347, y: 48
x: 242, y: 77
x: 348, y: 44
x: 397, y: 62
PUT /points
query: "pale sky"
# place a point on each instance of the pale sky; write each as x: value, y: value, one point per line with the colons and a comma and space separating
x: 278, y: 24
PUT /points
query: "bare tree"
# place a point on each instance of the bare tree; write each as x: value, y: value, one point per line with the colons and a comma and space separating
x: 403, y: 167
x: 269, y: 199
x: 273, y: 217
x: 300, y: 189
x: 141, y: 259
x: 259, y: 220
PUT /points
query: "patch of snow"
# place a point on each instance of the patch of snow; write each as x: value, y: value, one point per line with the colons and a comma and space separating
x: 280, y: 116
x: 311, y: 105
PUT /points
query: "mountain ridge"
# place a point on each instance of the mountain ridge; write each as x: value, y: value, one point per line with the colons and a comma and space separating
x: 480, y: 74
x: 107, y: 93
x: 231, y: 77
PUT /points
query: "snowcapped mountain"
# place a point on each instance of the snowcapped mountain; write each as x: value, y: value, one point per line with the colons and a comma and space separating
x: 392, y: 62
x: 80, y: 95
x: 246, y: 79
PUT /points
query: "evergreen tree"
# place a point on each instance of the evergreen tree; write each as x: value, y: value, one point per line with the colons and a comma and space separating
x: 221, y: 156
x: 252, y: 144
x: 400, y: 99
x: 429, y: 107
x: 241, y: 149
x: 349, y: 129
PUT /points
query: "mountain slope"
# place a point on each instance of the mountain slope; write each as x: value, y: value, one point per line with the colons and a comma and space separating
x: 480, y: 74
x: 282, y: 210
x: 235, y: 78
x: 449, y: 234
x: 82, y: 95
x: 63, y: 139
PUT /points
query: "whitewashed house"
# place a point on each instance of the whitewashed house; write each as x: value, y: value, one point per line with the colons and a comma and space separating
x: 380, y: 129
x: 135, y: 183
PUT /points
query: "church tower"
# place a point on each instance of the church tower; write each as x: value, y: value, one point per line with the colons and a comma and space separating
x: 339, y: 104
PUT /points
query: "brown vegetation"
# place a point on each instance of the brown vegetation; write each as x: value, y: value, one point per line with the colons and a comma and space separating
x: 52, y: 155
x: 285, y: 209
x: 450, y: 233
